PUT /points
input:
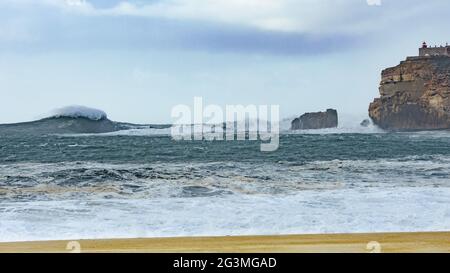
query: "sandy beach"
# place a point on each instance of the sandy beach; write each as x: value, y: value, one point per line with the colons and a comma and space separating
x: 347, y: 243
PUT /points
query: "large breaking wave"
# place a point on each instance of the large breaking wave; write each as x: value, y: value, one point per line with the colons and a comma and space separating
x: 78, y: 111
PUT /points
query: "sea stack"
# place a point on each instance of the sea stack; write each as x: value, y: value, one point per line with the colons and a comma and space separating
x: 318, y: 120
x: 415, y: 95
x: 365, y: 123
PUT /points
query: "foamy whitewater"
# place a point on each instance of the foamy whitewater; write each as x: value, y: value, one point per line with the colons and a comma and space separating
x: 78, y: 111
x: 141, y: 183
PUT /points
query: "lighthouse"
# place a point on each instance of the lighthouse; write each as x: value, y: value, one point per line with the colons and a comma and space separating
x: 426, y: 51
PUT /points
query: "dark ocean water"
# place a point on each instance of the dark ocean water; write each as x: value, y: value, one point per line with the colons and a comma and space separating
x: 294, y: 148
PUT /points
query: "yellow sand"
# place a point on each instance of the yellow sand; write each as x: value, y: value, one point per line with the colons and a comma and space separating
x: 365, y: 243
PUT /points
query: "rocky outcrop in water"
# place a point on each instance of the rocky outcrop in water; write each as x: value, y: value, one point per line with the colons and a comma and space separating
x: 415, y: 95
x: 318, y: 120
x: 365, y: 123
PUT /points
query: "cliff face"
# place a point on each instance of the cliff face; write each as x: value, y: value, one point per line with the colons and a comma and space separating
x: 415, y: 95
x: 319, y: 120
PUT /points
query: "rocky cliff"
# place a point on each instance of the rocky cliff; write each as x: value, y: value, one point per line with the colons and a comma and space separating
x: 319, y: 120
x: 415, y: 95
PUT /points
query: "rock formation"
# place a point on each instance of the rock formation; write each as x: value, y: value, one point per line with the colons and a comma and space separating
x: 415, y: 95
x: 365, y: 123
x: 319, y: 120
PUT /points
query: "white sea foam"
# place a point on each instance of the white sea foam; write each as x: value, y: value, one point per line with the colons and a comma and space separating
x: 139, y: 132
x: 429, y: 134
x: 100, y: 200
x: 334, y: 211
x: 348, y: 124
x: 77, y: 111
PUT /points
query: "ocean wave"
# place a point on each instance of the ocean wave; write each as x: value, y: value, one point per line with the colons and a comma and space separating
x: 442, y: 134
x: 93, y: 180
x: 127, y: 132
x: 77, y: 111
x: 310, y: 212
x: 348, y: 124
x: 372, y: 129
x: 74, y: 200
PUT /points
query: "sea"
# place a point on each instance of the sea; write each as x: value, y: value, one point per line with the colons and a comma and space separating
x: 141, y: 183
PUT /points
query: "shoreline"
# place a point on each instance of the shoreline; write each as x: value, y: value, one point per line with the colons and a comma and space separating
x: 417, y: 242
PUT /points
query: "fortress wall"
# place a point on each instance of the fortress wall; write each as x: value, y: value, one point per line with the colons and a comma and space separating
x: 433, y: 51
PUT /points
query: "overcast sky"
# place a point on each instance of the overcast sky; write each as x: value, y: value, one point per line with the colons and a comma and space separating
x: 137, y: 59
